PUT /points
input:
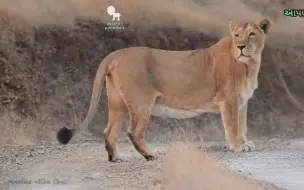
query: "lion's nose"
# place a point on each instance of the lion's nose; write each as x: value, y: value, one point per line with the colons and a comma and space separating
x: 241, y: 47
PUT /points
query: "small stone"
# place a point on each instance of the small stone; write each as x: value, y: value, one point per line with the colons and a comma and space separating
x: 96, y: 175
x: 40, y: 151
x: 88, y: 178
x: 29, y: 154
x: 19, y: 162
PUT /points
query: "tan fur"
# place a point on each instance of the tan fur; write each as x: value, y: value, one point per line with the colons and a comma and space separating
x: 144, y: 81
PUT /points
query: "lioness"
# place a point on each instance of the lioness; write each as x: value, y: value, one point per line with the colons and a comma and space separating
x: 145, y: 81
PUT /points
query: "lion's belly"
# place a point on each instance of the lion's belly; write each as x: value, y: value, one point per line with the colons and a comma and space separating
x: 169, y: 112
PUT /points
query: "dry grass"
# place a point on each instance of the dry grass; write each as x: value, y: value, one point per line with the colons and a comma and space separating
x: 186, y: 167
x: 15, y: 130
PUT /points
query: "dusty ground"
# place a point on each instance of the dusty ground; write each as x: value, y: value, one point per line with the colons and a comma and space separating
x: 85, y: 166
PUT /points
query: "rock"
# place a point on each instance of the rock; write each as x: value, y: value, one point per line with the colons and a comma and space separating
x: 40, y: 151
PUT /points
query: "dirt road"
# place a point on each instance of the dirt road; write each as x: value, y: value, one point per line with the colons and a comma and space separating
x: 84, y: 165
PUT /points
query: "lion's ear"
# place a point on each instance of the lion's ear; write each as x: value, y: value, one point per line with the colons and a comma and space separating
x: 264, y: 25
x: 233, y: 25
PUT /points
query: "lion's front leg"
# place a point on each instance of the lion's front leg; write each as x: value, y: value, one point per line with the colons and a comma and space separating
x: 230, y: 116
x: 243, y: 128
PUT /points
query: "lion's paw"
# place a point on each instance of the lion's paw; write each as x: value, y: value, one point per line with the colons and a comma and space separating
x: 117, y: 159
x: 251, y: 145
x: 150, y: 157
x: 247, y: 146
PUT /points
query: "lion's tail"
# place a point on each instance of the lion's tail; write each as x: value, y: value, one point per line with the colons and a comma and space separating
x: 64, y: 135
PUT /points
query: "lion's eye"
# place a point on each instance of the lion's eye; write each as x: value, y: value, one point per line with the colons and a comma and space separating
x: 237, y: 35
x: 252, y: 34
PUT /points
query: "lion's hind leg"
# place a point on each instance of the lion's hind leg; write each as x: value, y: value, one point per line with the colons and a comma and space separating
x: 139, y: 120
x: 117, y: 114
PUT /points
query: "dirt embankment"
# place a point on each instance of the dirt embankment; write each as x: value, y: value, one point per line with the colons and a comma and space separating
x: 50, y: 53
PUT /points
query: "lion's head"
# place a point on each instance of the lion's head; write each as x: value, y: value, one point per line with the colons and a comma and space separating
x: 249, y: 38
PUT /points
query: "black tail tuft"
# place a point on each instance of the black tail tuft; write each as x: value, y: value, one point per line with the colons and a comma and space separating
x: 64, y: 135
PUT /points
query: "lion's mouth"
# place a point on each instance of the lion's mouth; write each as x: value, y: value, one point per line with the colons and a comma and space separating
x: 243, y: 55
